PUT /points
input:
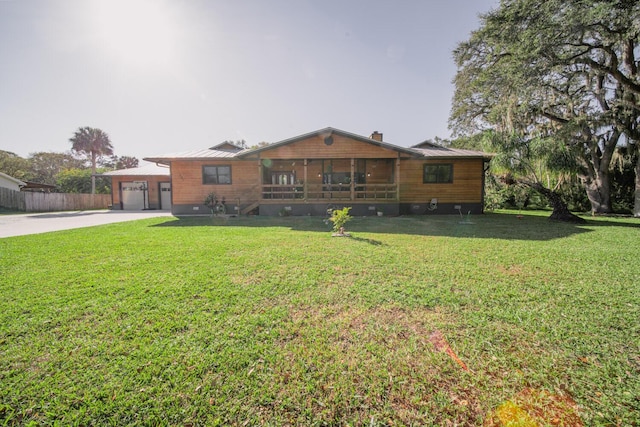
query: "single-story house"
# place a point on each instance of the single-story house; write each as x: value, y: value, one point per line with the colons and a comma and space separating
x: 7, y: 181
x: 328, y: 168
x: 144, y: 187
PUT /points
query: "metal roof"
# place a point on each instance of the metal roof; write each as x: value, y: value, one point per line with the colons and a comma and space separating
x: 144, y: 170
x: 430, y: 150
x: 445, y: 152
x: 205, y: 153
x: 327, y: 132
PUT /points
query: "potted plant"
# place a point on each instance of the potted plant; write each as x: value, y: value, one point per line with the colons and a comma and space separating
x: 339, y: 217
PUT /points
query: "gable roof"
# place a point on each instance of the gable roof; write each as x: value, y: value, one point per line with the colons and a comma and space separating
x: 328, y: 132
x: 226, y: 150
x: 227, y: 146
x: 426, y: 144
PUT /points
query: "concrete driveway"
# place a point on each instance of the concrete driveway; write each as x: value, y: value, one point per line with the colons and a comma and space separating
x: 22, y: 224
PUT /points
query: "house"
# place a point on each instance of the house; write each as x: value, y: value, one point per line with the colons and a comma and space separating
x: 328, y: 168
x: 144, y: 187
x: 10, y: 182
x: 38, y: 187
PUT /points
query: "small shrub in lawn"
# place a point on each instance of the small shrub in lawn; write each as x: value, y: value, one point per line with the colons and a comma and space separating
x: 339, y: 217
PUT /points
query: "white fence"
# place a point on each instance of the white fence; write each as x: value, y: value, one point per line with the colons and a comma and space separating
x: 27, y: 201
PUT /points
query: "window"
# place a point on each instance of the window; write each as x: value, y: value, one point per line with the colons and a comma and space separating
x: 438, y: 174
x: 216, y: 174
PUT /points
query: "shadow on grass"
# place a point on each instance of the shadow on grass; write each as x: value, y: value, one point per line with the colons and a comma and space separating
x: 507, y: 226
x: 67, y: 214
x: 368, y: 241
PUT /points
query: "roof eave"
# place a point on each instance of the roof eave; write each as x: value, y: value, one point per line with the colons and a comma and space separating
x: 158, y: 160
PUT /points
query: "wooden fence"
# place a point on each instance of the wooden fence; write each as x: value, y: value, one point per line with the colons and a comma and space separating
x: 27, y: 201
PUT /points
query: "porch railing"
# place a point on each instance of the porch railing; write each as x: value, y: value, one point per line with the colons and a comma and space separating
x: 331, y: 192
x: 282, y: 192
x: 377, y: 192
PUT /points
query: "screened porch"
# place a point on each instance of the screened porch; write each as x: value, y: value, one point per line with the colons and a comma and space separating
x: 329, y: 179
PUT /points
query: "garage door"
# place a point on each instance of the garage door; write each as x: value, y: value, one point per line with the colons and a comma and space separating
x: 165, y: 195
x: 133, y: 195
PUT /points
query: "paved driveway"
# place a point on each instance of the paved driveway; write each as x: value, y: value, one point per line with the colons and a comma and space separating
x: 21, y: 224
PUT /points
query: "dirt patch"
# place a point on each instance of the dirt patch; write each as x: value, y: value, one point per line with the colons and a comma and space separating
x: 512, y: 270
x: 533, y: 408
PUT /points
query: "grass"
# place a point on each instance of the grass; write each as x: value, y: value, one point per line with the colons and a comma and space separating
x: 271, y: 321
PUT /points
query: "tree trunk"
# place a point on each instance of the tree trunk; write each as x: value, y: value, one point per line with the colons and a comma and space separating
x: 560, y: 209
x: 598, y: 190
x: 595, y: 176
x: 636, y: 202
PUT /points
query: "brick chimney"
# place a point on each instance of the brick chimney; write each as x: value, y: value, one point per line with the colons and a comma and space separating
x: 376, y: 136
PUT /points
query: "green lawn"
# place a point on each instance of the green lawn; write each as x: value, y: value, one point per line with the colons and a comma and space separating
x: 271, y: 321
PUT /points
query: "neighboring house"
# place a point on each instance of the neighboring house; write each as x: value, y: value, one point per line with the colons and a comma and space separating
x: 307, y: 174
x: 10, y: 182
x: 144, y: 187
x: 37, y: 187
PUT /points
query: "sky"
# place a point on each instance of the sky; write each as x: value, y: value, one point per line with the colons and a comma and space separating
x: 164, y: 76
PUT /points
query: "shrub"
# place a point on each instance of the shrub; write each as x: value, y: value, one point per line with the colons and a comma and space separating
x: 339, y: 217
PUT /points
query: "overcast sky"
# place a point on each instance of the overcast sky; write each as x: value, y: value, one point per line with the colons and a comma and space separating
x: 161, y: 76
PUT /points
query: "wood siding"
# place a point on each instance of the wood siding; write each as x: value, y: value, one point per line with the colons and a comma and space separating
x: 188, y: 189
x: 279, y: 173
x: 315, y: 148
x: 465, y: 188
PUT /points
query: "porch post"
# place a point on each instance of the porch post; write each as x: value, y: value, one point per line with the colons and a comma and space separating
x: 306, y: 180
x: 353, y: 184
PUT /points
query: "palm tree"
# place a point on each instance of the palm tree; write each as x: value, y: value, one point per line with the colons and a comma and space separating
x: 94, y: 143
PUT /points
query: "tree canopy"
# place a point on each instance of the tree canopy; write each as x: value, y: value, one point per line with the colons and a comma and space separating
x: 555, y: 72
x: 120, y: 162
x: 80, y: 181
x: 15, y: 166
x: 94, y: 143
x: 69, y: 171
x: 46, y: 166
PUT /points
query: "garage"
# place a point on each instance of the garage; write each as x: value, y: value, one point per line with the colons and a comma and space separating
x: 141, y: 188
x: 134, y: 195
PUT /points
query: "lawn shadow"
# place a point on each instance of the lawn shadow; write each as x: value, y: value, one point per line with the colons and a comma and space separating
x: 67, y: 214
x: 507, y: 226
x: 368, y: 241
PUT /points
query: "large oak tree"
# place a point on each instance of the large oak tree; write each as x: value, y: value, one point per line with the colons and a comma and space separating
x: 557, y: 71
